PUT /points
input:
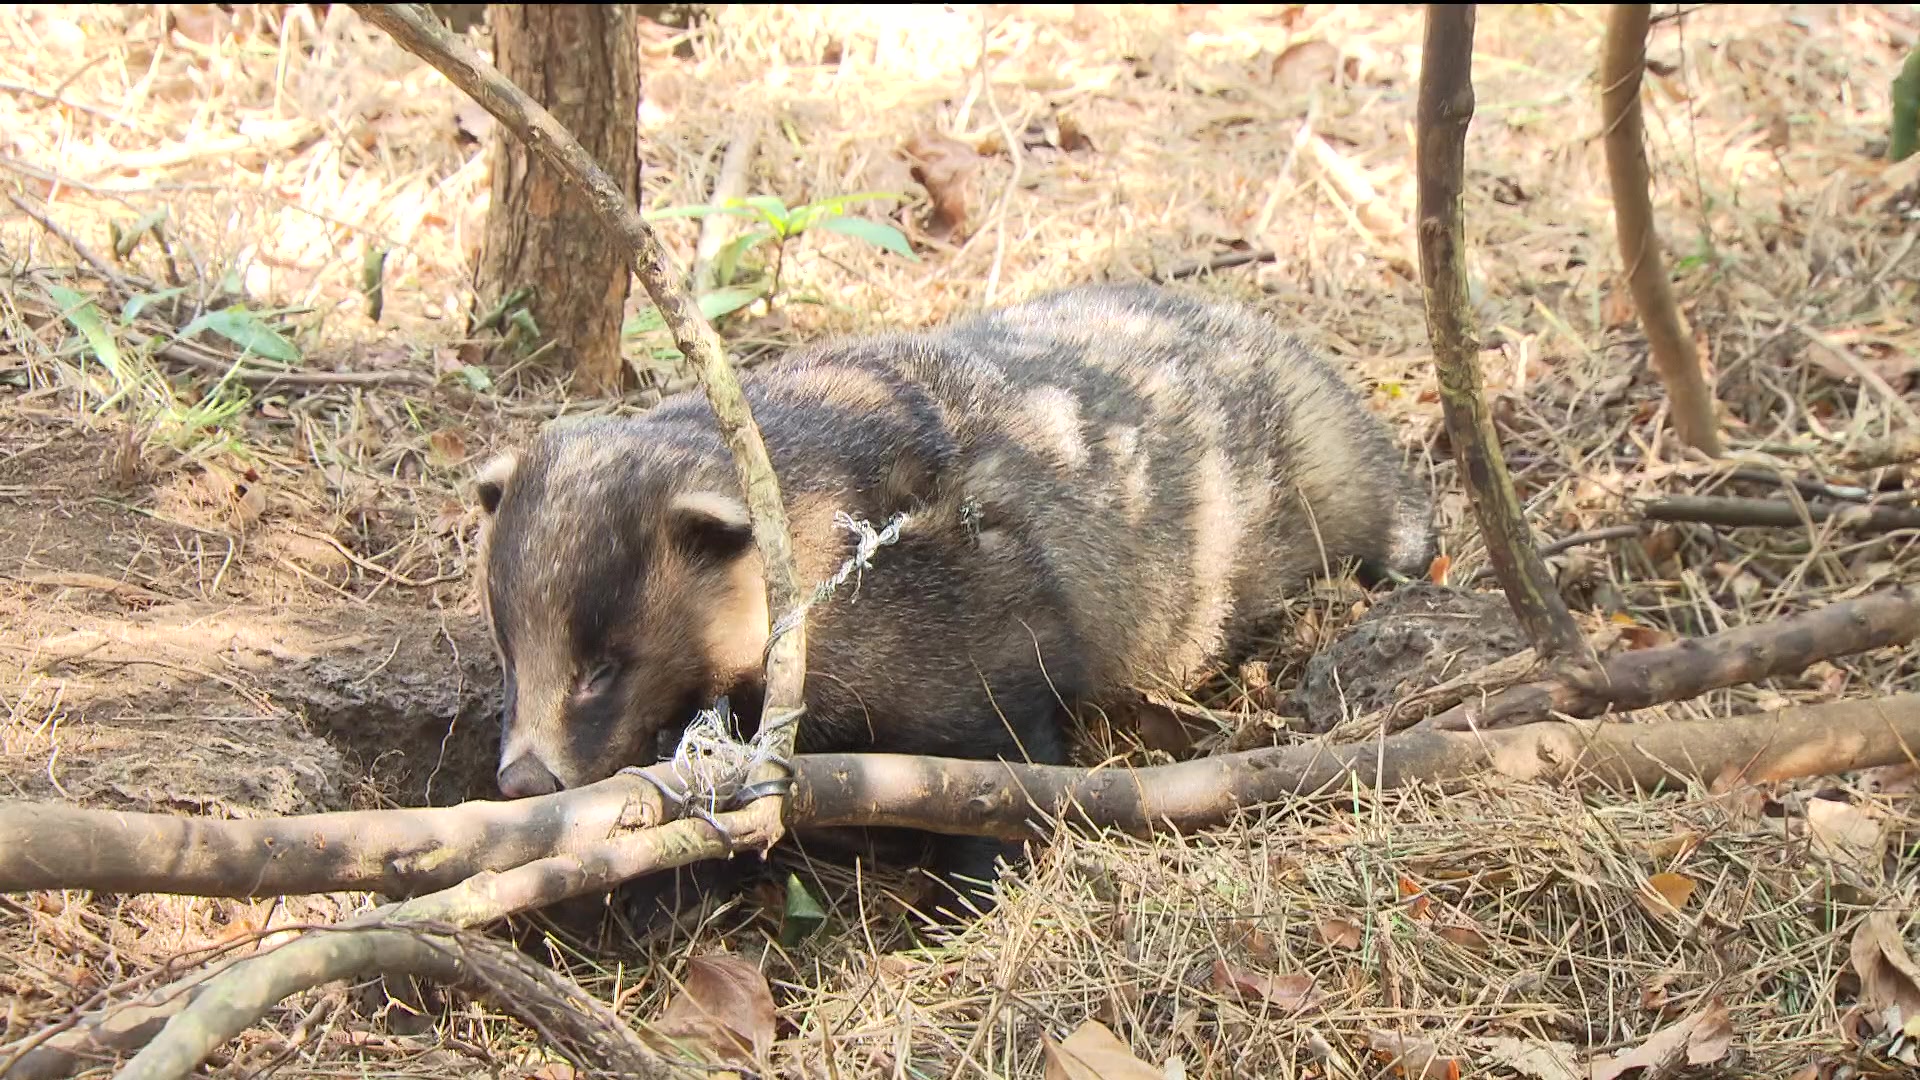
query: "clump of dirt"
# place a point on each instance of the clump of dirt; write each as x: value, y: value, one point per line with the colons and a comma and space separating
x: 1417, y: 636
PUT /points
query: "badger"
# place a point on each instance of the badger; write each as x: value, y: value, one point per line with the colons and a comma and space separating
x: 1101, y: 485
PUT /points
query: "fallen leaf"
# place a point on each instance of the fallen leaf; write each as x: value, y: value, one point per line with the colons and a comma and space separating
x: 1466, y: 937
x: 1666, y: 892
x: 723, y: 1013
x: 943, y: 166
x: 1889, y: 978
x: 446, y: 447
x: 1845, y: 831
x: 1700, y: 1039
x: 1421, y: 906
x: 553, y: 1070
x: 1340, y: 934
x: 1305, y: 65
x: 1541, y: 1060
x: 1286, y: 991
x: 1437, y: 569
x: 1673, y: 847
x: 1093, y: 1052
x: 1415, y: 1059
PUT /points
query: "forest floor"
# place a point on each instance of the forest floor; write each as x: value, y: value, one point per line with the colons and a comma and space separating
x: 234, y: 593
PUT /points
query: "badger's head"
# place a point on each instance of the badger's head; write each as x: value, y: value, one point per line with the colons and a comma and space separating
x: 623, y: 592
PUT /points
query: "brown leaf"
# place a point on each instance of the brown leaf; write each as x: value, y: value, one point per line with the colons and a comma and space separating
x: 1666, y: 893
x: 1306, y: 65
x: 723, y: 1014
x: 943, y: 166
x: 1675, y: 846
x: 1286, y: 991
x: 1421, y: 906
x: 446, y: 447
x: 1415, y: 1059
x: 1093, y: 1052
x: 1700, y: 1039
x: 1888, y: 976
x: 1466, y: 937
x: 1437, y: 569
x: 1340, y: 934
x: 552, y: 1070
x: 1844, y: 831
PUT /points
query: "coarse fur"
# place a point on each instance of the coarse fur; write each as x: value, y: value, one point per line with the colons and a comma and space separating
x: 1105, y: 484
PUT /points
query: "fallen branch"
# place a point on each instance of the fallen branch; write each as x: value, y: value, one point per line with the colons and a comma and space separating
x: 1623, y: 61
x: 1896, y: 449
x: 1733, y: 512
x: 1647, y: 677
x: 416, y: 30
x: 587, y: 1033
x: 1444, y: 112
x: 101, y: 849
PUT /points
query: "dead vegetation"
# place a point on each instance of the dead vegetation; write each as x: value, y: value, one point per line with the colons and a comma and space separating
x: 1104, y: 143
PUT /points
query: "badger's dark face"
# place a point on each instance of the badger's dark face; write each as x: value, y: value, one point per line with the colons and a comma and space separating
x: 621, y: 601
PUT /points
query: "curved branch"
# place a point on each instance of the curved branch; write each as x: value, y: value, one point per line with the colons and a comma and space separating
x: 1674, y: 357
x: 588, y: 1034
x: 419, y: 33
x: 1445, y: 110
x: 1689, y: 668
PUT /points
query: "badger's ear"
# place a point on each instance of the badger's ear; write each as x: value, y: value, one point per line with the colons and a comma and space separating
x: 710, y: 523
x: 491, y: 481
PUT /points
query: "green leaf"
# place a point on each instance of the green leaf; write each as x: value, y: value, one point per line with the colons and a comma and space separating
x: 803, y: 915
x: 247, y: 330
x: 698, y: 212
x: 475, y: 377
x: 1904, y: 135
x: 873, y: 232
x: 80, y: 310
x: 726, y: 262
x: 136, y: 304
x: 840, y: 202
x: 644, y: 321
x: 726, y: 301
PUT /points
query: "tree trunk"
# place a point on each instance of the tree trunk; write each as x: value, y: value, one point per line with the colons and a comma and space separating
x: 580, y: 61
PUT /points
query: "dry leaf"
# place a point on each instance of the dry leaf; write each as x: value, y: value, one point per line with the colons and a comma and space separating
x: 1844, y: 831
x: 1437, y: 569
x: 553, y: 1070
x: 1700, y: 1039
x: 445, y: 447
x: 943, y: 166
x: 723, y: 1014
x: 1888, y: 976
x: 1421, y: 906
x: 1340, y: 934
x: 1306, y: 65
x: 1667, y: 892
x: 1415, y: 1059
x: 1466, y: 937
x: 1286, y: 991
x: 1093, y: 1052
x: 1541, y: 1060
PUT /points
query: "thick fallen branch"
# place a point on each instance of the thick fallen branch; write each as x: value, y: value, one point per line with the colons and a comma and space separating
x: 1445, y: 109
x: 1623, y: 60
x: 1732, y: 512
x: 975, y: 798
x: 417, y: 31
x: 1646, y: 677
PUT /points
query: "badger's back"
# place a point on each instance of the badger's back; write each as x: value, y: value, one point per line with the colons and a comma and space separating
x: 1111, y: 482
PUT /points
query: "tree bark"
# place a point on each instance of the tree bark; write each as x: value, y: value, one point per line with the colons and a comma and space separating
x: 1674, y: 356
x: 581, y: 61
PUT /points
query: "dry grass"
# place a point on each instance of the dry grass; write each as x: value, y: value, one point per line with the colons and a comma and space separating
x: 281, y: 151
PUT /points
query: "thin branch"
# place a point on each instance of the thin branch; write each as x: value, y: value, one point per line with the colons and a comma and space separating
x: 1733, y: 512
x: 415, y: 29
x: 1647, y: 677
x: 1445, y: 110
x: 1674, y: 357
x: 718, y: 229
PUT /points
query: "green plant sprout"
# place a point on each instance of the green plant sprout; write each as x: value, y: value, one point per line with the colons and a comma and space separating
x: 781, y: 224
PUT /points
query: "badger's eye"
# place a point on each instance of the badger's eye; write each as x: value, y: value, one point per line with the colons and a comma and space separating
x: 599, y: 678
